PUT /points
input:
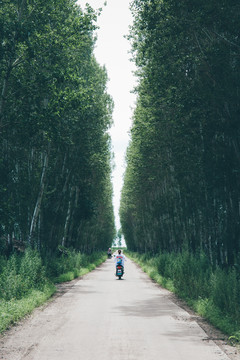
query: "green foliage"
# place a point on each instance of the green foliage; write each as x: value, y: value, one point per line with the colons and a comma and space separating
x: 164, y: 264
x: 56, y: 266
x: 72, y: 265
x: 25, y: 283
x: 212, y: 293
x: 180, y: 198
x: 235, y: 338
x: 225, y: 291
x: 181, y: 185
x: 14, y: 310
x: 3, y: 262
x: 21, y: 275
x: 197, y: 271
x: 55, y: 151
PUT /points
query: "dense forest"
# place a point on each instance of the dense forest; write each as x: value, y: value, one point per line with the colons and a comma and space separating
x: 182, y: 180
x: 55, y: 150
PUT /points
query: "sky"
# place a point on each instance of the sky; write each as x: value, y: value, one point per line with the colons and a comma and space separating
x: 112, y: 50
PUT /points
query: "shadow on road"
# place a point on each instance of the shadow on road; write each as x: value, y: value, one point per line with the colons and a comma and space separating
x: 152, y: 307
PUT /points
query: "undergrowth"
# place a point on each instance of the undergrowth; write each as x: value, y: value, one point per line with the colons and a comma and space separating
x: 212, y: 292
x: 26, y: 281
x: 72, y: 264
x: 15, y: 309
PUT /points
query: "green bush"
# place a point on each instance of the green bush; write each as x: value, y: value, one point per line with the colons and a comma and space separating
x: 32, y: 270
x: 191, y: 275
x: 72, y: 261
x: 3, y: 263
x: 21, y: 274
x: 225, y: 287
x: 213, y: 292
x: 14, y: 309
x: 26, y: 283
x: 165, y: 264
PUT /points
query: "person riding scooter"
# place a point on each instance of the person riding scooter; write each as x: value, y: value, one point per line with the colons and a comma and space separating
x: 120, y: 259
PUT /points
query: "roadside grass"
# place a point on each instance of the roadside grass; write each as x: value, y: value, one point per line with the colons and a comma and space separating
x: 75, y: 273
x: 27, y: 282
x: 212, y: 293
x: 14, y: 310
x: 148, y: 266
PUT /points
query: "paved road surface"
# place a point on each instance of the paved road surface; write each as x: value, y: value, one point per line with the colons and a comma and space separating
x: 103, y: 318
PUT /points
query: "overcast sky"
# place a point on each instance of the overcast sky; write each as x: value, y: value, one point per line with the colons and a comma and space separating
x: 112, y: 50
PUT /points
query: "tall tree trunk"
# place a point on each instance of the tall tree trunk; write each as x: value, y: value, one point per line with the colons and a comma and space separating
x: 3, y: 94
x: 67, y: 221
x: 39, y: 199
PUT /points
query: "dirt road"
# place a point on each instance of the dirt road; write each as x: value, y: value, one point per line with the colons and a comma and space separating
x: 100, y: 317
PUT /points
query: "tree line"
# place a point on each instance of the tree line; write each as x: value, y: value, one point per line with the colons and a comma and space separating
x: 55, y: 150
x: 181, y: 185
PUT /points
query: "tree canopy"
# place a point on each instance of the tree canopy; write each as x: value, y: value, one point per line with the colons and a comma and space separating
x: 55, y: 151
x: 181, y: 185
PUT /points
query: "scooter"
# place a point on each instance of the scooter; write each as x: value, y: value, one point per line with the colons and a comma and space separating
x: 119, y: 271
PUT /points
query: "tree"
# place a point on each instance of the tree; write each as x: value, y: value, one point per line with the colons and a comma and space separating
x: 54, y: 116
x: 180, y: 187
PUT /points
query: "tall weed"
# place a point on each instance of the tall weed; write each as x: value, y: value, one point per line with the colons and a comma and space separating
x: 165, y: 263
x: 72, y: 261
x: 3, y: 263
x: 21, y: 274
x: 225, y: 292
x: 62, y: 264
x: 191, y: 275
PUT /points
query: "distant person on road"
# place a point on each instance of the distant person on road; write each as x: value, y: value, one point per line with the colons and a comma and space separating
x: 109, y: 253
